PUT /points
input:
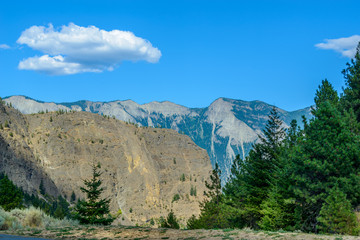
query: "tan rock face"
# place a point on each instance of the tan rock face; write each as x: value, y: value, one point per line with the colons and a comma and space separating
x: 143, y: 168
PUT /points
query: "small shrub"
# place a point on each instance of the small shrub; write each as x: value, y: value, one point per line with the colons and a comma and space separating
x: 33, y: 217
x: 182, y: 177
x: 131, y: 210
x: 11, y: 134
x: 193, y: 223
x: 170, y: 221
x: 176, y: 197
x: 193, y: 191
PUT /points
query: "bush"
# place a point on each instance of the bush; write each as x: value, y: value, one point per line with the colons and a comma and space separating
x: 176, y: 197
x: 33, y: 217
x: 7, y: 221
x: 336, y: 214
x: 30, y: 217
x: 193, y: 223
x: 170, y: 221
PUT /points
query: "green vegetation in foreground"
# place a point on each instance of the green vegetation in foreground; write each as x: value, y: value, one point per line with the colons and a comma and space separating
x: 297, y: 179
x: 12, y: 197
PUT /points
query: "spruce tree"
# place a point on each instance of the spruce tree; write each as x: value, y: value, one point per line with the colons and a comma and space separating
x: 214, y: 214
x: 170, y: 222
x: 251, y: 181
x: 73, y: 197
x: 326, y: 92
x: 94, y: 210
x: 42, y: 187
x: 336, y: 214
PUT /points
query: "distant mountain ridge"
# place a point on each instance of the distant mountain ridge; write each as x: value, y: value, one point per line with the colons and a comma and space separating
x: 225, y: 128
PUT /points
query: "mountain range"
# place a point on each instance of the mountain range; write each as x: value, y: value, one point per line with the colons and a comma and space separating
x: 146, y: 171
x: 225, y: 128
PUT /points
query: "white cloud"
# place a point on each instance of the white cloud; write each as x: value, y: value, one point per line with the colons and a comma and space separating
x: 74, y: 49
x: 4, y: 46
x: 345, y: 46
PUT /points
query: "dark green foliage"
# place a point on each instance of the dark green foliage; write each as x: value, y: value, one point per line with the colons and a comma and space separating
x: 329, y: 154
x: 51, y: 119
x: 176, y: 197
x: 193, y: 191
x: 73, y: 197
x: 17, y: 198
x: 193, y: 223
x: 10, y: 196
x: 336, y: 214
x: 251, y: 179
x: 170, y: 221
x: 325, y: 93
x: 42, y: 187
x: 95, y: 210
x: 351, y: 96
x: 182, y: 177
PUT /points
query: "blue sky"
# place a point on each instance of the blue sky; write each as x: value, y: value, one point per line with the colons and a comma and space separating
x: 187, y: 52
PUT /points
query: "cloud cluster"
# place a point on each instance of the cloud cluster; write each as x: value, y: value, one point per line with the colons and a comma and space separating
x: 74, y: 49
x: 4, y: 46
x: 345, y: 46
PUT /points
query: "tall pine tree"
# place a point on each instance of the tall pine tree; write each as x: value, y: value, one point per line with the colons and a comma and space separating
x: 95, y: 210
x: 326, y: 155
x: 251, y: 180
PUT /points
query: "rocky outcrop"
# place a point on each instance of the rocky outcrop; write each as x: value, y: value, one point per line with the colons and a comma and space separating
x: 143, y: 168
x: 225, y: 128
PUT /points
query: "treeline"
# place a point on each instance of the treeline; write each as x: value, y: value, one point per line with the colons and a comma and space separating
x: 12, y: 197
x: 304, y: 179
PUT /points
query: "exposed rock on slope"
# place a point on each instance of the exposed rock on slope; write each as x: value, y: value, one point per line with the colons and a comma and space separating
x: 141, y: 167
x: 226, y: 128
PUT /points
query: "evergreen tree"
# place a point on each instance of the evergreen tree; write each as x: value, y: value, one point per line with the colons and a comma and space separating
x: 214, y: 214
x: 73, y: 197
x: 336, y: 214
x: 10, y: 196
x: 326, y: 155
x: 42, y: 187
x: 95, y: 210
x: 252, y: 178
x: 351, y: 96
x: 278, y: 210
x: 326, y: 92
x: 170, y: 222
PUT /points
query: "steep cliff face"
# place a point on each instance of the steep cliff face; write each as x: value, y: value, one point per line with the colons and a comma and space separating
x: 142, y: 167
x: 225, y: 128
x: 17, y: 159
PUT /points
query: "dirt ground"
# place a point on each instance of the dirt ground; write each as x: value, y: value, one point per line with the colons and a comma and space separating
x: 127, y: 232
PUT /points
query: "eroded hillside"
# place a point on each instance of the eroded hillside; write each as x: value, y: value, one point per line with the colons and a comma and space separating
x: 143, y: 168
